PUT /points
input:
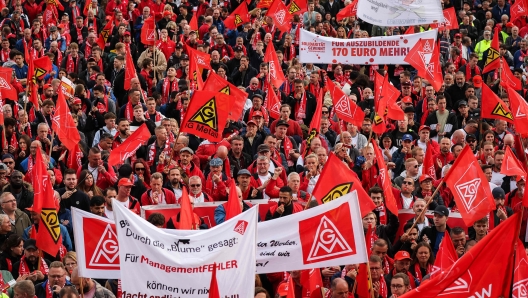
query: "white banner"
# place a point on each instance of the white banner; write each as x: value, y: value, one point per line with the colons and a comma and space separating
x: 375, y: 50
x: 161, y: 264
x: 400, y: 12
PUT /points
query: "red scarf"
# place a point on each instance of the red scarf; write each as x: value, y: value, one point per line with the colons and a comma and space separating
x: 287, y: 144
x: 79, y: 34
x: 152, y: 151
x: 314, y: 89
x: 58, y: 59
x: 468, y: 72
x: 288, y: 87
x: 418, y: 271
x: 388, y: 264
x: 24, y: 268
x: 168, y: 87
x: 382, y: 214
x: 157, y: 118
x: 103, y: 106
x: 72, y: 66
x: 30, y: 164
x: 88, y: 50
x: 223, y: 50
x: 256, y: 39
x: 300, y: 109
x: 289, y: 53
x: 458, y: 62
x: 119, y: 290
x: 341, y: 79
x: 129, y: 112
x: 14, y: 141
x: 5, y: 55
x: 383, y: 288
x: 37, y: 54
x: 160, y: 198
x: 94, y: 24
x: 100, y: 63
x: 49, y: 292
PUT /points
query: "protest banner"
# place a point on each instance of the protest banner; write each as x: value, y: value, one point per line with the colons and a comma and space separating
x: 375, y: 50
x: 400, y: 13
x: 161, y: 264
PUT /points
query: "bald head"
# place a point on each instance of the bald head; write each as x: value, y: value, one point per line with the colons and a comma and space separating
x: 221, y: 152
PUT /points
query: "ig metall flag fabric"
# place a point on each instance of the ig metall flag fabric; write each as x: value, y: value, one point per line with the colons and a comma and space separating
x: 161, y: 264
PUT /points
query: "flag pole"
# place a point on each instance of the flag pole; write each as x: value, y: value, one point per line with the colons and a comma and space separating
x: 429, y: 202
x: 81, y: 287
x: 51, y: 143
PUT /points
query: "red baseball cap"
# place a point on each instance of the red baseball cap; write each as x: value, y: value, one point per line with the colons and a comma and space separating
x: 425, y: 177
x: 407, y: 99
x: 258, y: 114
x: 125, y: 182
x: 424, y: 127
x: 402, y: 255
x: 77, y: 101
x: 477, y: 81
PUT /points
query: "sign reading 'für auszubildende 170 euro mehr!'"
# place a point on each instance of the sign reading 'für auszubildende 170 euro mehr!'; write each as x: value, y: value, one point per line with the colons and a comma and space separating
x: 156, y: 263
x: 319, y: 49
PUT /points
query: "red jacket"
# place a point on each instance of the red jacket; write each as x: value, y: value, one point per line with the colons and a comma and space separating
x: 166, y: 47
x: 272, y: 189
x: 111, y: 6
x: 218, y: 193
x: 194, y: 171
x: 147, y: 200
x: 104, y: 180
x: 207, y: 149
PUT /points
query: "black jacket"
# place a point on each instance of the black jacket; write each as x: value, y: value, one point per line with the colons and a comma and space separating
x: 78, y: 200
x: 26, y: 197
x: 431, y: 233
x: 433, y: 120
x: 311, y: 105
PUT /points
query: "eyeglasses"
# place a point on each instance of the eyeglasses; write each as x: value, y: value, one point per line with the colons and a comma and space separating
x: 10, y: 201
x: 9, y: 162
x: 140, y: 169
x: 471, y: 141
x: 415, y: 166
x: 326, y: 112
x: 374, y: 268
x: 397, y: 286
x: 195, y: 185
x: 407, y: 183
x: 55, y: 276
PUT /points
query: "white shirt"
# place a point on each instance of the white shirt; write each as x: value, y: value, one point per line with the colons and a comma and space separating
x: 421, y: 145
x: 312, y: 183
x: 109, y: 214
x: 496, y: 178
x: 263, y: 179
x: 95, y: 173
x: 198, y: 199
x: 407, y: 201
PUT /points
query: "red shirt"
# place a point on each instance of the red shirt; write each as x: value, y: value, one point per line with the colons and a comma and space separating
x: 167, y: 47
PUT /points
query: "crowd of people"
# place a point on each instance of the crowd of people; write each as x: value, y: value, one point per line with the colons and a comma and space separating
x: 267, y: 158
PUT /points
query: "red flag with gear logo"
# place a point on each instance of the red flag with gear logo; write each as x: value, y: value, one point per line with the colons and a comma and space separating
x: 148, y: 31
x: 493, y: 107
x: 344, y: 107
x: 272, y: 103
x: 510, y: 164
x: 384, y: 176
x: 206, y: 115
x: 520, y: 273
x: 518, y: 9
x: 507, y: 77
x: 428, y: 167
x: 282, y: 18
x: 349, y: 11
x: 129, y: 147
x: 425, y: 57
x: 238, y: 17
x: 450, y: 20
x: 519, y: 108
x: 238, y: 97
x: 446, y: 255
x: 275, y: 74
x: 475, y: 273
x: 63, y: 125
x: 470, y: 187
x: 492, y: 61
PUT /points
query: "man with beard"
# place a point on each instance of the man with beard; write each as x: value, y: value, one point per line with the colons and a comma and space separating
x: 443, y: 157
x: 56, y: 281
x: 402, y: 262
x: 18, y: 219
x: 157, y: 195
x: 217, y: 181
x: 175, y: 183
x: 501, y: 212
x: 435, y: 234
x: 421, y: 220
x: 457, y: 91
x: 97, y: 205
x: 123, y: 128
x: 103, y: 174
x: 109, y: 194
x: 90, y: 287
x: 29, y: 268
x: 23, y: 196
x: 160, y: 150
x: 238, y: 159
x: 69, y: 194
x: 188, y: 165
x: 286, y: 205
x: 443, y: 122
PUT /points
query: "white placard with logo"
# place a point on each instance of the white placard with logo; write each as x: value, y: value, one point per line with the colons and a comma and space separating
x: 328, y: 235
x: 157, y: 263
x: 375, y: 50
x: 397, y: 13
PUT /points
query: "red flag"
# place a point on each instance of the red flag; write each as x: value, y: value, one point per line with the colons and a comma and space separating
x: 206, y: 115
x: 507, y: 77
x: 344, y: 107
x: 349, y: 11
x: 263, y: 3
x: 518, y: 9
x: 186, y: 212
x: 380, y: 104
x: 475, y: 273
x: 409, y: 30
x: 276, y: 76
x: 273, y: 104
x: 148, y: 31
x: 63, y: 125
x: 446, y: 255
x: 520, y: 273
x: 390, y: 201
x: 49, y: 237
x: 30, y: 80
x: 213, y: 286
x: 311, y: 279
x: 237, y: 97
x: 337, y: 180
x: 42, y: 66
x: 6, y: 73
x: 493, y: 107
x: 428, y: 167
x: 470, y: 187
x: 434, y: 70
x: 88, y: 7
x: 194, y: 24
x: 105, y: 34
x: 316, y: 122
x: 425, y: 57
x: 74, y: 158
x: 291, y: 288
x: 450, y: 20
x: 298, y: 7
x: 130, y: 70
x: 129, y: 147
x: 196, y: 75
x: 389, y: 96
x: 49, y: 16
x: 238, y: 17
x: 492, y: 60
x: 203, y: 60
x: 232, y: 207
x: 511, y: 165
x: 56, y: 4
x: 282, y: 18
x: 363, y: 282
x: 520, y: 110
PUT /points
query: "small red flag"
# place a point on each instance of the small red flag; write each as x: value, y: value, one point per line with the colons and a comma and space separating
x: 493, y: 107
x: 129, y: 146
x: 470, y: 187
x: 390, y: 201
x: 273, y: 104
x: 49, y: 238
x: 63, y: 124
x: 105, y: 34
x: 238, y: 17
x: 298, y: 7
x: 186, y: 212
x: 263, y: 3
x: 42, y: 66
x: 409, y: 30
x: 232, y: 207
x: 237, y: 97
x: 507, y: 77
x: 428, y: 167
x: 206, y: 115
x: 203, y: 60
x: 279, y: 12
x: 518, y: 9
x: 196, y: 75
x: 315, y: 124
x: 213, y: 286
x: 311, y: 279
x: 276, y: 76
x: 337, y: 180
x: 363, y: 282
x: 130, y: 70
x: 475, y: 273
x: 511, y: 165
x: 74, y: 158
x: 148, y: 31
x: 194, y: 24
x: 446, y: 255
x: 349, y: 11
x: 520, y: 110
x: 344, y: 107
x: 520, y: 273
x: 450, y: 20
x: 492, y: 60
x: 291, y: 288
x: 389, y: 96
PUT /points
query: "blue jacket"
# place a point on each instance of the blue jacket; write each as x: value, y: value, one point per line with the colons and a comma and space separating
x: 66, y: 240
x: 497, y: 12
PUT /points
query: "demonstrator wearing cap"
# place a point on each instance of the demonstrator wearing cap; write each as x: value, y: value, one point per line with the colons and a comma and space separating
x: 434, y: 235
x: 425, y: 142
x: 402, y: 263
x: 123, y: 196
x: 501, y: 212
x: 257, y: 109
x: 28, y: 268
x: 217, y: 182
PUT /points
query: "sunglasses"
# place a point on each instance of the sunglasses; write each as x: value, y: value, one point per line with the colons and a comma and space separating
x: 140, y: 169
x: 195, y: 185
x: 407, y: 183
x: 325, y: 112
